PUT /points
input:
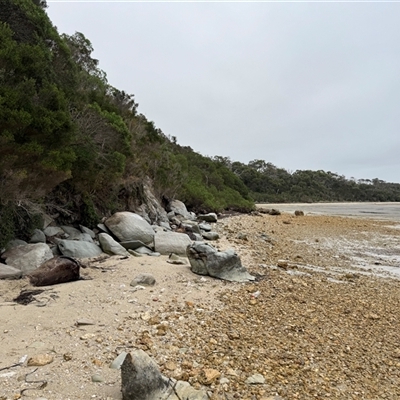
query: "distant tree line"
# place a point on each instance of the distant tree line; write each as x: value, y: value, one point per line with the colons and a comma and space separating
x: 270, y: 184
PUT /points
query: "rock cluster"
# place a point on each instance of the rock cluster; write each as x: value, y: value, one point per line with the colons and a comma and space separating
x: 123, y: 233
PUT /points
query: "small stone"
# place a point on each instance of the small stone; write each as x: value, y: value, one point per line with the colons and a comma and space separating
x: 282, y: 264
x: 87, y: 336
x: 67, y: 357
x: 154, y: 320
x: 208, y: 376
x: 84, y: 322
x: 40, y: 360
x: 170, y: 366
x: 255, y: 379
x: 233, y: 335
x: 97, y: 378
x: 162, y: 330
x: 145, y: 316
x: 144, y: 279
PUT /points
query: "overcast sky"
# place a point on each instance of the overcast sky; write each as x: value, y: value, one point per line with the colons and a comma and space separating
x: 302, y: 85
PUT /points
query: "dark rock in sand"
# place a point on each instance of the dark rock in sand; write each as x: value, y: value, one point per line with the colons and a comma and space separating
x: 141, y: 378
x: 274, y: 211
x: 144, y: 279
x: 56, y: 270
x: 210, y: 217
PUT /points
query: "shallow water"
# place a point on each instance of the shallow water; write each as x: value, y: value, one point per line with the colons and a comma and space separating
x: 367, y: 258
x: 382, y: 211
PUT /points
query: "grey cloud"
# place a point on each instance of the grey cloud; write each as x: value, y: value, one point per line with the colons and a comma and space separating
x: 302, y: 85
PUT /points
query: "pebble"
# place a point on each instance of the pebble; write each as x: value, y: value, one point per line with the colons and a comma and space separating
x: 170, y: 366
x: 97, y: 378
x: 40, y: 360
x: 87, y: 336
x: 208, y: 376
x: 255, y: 379
x: 144, y: 279
x: 84, y: 322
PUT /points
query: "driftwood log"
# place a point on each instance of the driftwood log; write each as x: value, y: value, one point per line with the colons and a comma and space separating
x: 58, y: 269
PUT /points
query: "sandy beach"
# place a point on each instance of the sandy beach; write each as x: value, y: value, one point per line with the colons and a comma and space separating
x: 321, y: 321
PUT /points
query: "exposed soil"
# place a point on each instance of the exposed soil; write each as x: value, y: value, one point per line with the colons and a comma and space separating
x: 322, y: 325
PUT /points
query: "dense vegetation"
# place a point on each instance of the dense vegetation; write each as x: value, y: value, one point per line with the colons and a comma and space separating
x: 75, y: 146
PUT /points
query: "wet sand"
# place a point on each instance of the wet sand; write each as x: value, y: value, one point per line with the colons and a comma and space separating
x: 387, y: 211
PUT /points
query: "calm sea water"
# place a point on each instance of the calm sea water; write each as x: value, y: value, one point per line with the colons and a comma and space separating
x: 386, y: 211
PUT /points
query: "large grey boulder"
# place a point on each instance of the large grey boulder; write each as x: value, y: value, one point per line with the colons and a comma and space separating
x: 111, y: 246
x: 171, y: 242
x: 206, y: 260
x: 54, y: 231
x: 179, y: 208
x: 142, y: 380
x: 79, y: 249
x: 127, y: 226
x: 38, y: 237
x: 88, y: 231
x: 28, y: 257
x: 8, y: 272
